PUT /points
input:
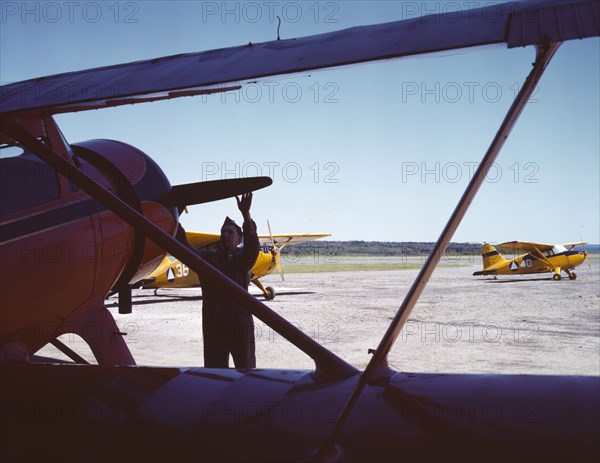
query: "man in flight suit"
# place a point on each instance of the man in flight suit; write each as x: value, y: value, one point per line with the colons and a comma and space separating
x: 227, y: 327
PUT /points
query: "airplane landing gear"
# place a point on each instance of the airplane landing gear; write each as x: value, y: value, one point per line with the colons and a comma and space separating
x: 572, y: 275
x: 556, y: 276
x: 270, y: 293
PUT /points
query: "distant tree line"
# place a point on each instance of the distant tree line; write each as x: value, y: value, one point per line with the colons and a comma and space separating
x: 378, y: 248
x: 391, y: 248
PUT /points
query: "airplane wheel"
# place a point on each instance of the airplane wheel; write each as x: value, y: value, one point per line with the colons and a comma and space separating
x: 572, y: 276
x: 270, y: 293
x: 556, y: 277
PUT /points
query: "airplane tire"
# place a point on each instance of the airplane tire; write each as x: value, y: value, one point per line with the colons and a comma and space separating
x: 270, y: 293
x: 556, y: 277
x: 572, y: 276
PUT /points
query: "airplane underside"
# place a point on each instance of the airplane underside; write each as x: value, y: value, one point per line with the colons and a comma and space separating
x: 197, y: 414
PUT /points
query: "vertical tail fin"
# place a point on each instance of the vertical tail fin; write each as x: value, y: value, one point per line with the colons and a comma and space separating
x: 490, y: 256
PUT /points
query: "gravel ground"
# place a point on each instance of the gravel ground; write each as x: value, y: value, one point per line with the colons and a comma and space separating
x: 461, y: 324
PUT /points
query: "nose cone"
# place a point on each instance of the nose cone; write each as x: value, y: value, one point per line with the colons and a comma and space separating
x: 137, y: 177
x: 576, y: 258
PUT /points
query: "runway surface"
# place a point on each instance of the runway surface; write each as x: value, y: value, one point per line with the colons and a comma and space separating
x: 462, y: 324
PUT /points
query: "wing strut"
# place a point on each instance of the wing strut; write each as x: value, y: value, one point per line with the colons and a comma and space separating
x: 378, y: 368
x: 541, y: 256
x: 328, y: 366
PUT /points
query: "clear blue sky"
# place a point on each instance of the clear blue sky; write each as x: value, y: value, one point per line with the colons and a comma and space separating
x: 371, y: 152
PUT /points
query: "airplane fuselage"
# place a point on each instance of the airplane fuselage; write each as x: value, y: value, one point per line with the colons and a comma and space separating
x: 529, y: 263
x: 62, y: 251
x: 175, y: 274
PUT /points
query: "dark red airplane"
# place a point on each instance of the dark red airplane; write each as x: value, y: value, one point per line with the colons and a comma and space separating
x: 79, y: 220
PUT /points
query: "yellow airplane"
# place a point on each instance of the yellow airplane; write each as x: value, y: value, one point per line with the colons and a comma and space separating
x: 537, y: 258
x: 172, y: 273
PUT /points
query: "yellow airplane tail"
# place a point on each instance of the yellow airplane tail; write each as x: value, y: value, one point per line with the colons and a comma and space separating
x: 491, y: 257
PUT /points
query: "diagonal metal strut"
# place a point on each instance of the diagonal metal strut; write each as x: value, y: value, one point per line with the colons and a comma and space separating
x: 328, y: 366
x: 378, y: 366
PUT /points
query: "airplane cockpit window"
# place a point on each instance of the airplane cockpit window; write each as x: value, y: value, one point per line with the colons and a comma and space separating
x: 25, y: 180
x: 556, y: 249
x: 10, y: 151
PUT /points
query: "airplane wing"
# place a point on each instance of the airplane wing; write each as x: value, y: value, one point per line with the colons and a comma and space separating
x: 198, y: 240
x: 293, y: 238
x: 516, y: 24
x: 520, y: 247
x: 523, y: 246
x: 572, y: 245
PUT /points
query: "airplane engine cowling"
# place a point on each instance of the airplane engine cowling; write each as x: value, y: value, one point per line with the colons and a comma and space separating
x: 139, y: 181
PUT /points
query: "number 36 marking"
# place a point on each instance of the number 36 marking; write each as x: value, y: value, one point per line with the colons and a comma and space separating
x: 181, y: 270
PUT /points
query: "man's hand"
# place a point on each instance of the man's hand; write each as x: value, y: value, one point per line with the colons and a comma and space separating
x: 244, y: 204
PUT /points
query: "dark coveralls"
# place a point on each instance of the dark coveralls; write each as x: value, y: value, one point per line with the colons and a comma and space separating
x: 227, y: 327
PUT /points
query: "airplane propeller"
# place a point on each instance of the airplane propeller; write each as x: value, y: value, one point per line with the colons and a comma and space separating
x: 275, y: 252
x: 181, y: 196
x: 189, y: 194
x: 586, y: 257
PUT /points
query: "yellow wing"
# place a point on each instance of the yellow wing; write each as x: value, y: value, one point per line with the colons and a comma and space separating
x: 198, y: 240
x: 293, y: 238
x: 572, y: 245
x: 523, y: 246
